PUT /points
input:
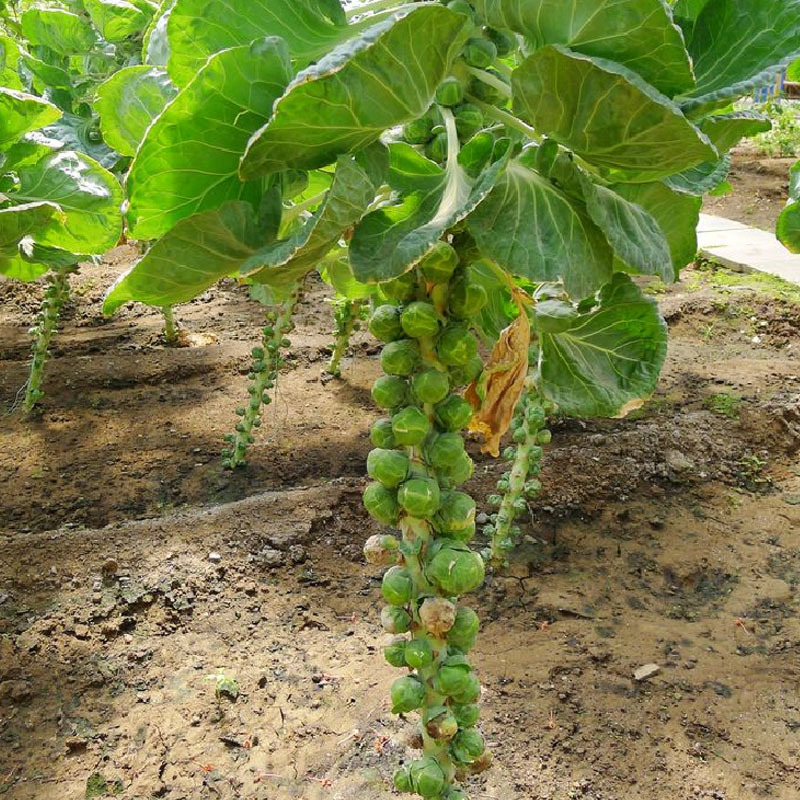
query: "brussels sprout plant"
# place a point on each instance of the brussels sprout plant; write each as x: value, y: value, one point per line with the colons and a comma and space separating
x: 496, y: 173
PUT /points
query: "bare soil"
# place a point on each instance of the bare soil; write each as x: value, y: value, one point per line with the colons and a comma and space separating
x: 760, y: 188
x: 136, y: 576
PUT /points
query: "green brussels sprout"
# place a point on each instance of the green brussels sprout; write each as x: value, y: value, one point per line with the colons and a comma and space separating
x: 452, y: 677
x: 427, y: 777
x: 381, y: 503
x: 456, y: 346
x: 444, y: 450
x: 460, y: 471
x: 384, y: 324
x: 480, y: 53
x: 469, y: 120
x: 440, y: 723
x: 467, y: 715
x: 467, y: 745
x: 465, y: 535
x: 397, y: 587
x: 461, y: 376
x: 402, y: 780
x: 430, y: 386
x: 381, y: 550
x: 437, y: 615
x: 471, y: 691
x: 465, y: 629
x: 450, y: 92
x: 466, y: 298
x: 402, y: 289
x: 400, y: 357
x: 532, y: 488
x: 407, y: 693
x: 418, y: 653
x: 389, y: 391
x: 419, y: 320
x: 436, y: 149
x: 486, y: 92
x: 395, y: 653
x: 544, y: 437
x: 455, y: 569
x: 381, y: 434
x: 454, y: 413
x: 395, y: 619
x: 504, y: 42
x: 390, y: 467
x: 418, y: 131
x: 462, y: 7
x: 411, y: 426
x: 419, y: 497
x: 456, y: 512
x: 440, y: 263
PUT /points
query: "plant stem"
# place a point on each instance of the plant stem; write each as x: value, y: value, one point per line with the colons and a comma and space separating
x: 47, y: 324
x: 491, y: 80
x: 529, y: 434
x: 170, y: 328
x: 509, y: 120
x: 346, y: 315
x: 264, y: 375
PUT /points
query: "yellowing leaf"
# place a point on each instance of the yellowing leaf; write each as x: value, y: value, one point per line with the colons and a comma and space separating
x: 495, y: 394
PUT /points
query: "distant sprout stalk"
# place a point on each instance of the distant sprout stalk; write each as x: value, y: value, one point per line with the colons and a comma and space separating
x: 267, y: 360
x: 347, y: 316
x: 170, y: 326
x: 520, y: 483
x: 56, y: 295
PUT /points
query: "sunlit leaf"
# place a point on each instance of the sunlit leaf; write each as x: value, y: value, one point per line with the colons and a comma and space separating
x: 188, y: 160
x: 20, y: 113
x: 17, y: 222
x: 116, y: 19
x: 62, y: 31
x: 350, y: 97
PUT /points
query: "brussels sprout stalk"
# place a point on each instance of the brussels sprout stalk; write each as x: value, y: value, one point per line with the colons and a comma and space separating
x: 347, y: 316
x: 263, y: 376
x: 170, y: 326
x: 418, y: 462
x: 56, y: 295
x: 520, y: 483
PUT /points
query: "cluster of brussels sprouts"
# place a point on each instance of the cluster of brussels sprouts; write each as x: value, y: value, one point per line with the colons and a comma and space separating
x: 263, y: 375
x: 56, y: 294
x: 347, y: 316
x: 520, y: 483
x: 475, y: 82
x: 418, y: 463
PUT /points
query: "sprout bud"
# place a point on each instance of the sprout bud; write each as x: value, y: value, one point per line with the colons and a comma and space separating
x: 467, y: 746
x: 381, y: 550
x: 384, y: 324
x: 427, y: 777
x: 397, y: 586
x: 394, y: 653
x: 418, y: 653
x: 407, y: 693
x: 402, y: 780
x: 395, y: 620
x: 465, y: 629
x: 545, y: 437
x: 400, y: 357
x: 438, y: 615
x: 440, y: 723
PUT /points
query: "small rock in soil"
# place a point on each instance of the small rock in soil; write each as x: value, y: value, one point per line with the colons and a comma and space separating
x: 272, y: 558
x: 297, y: 554
x: 645, y: 672
x: 214, y: 558
x: 76, y: 744
x: 15, y: 691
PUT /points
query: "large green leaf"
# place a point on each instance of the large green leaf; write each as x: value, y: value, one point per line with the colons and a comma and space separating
x: 155, y: 44
x: 19, y: 268
x: 62, y: 31
x: 349, y: 98
x: 392, y: 239
x: 702, y: 179
x: 128, y: 102
x: 338, y: 273
x: 282, y: 263
x: 188, y: 160
x: 18, y: 221
x: 726, y: 130
x: 50, y: 76
x: 639, y: 34
x: 608, y: 362
x: 194, y: 255
x: 116, y: 19
x: 20, y: 113
x: 789, y: 221
x: 89, y: 196
x: 9, y: 59
x: 677, y: 216
x: 200, y: 28
x: 531, y: 228
x: 739, y: 45
x: 606, y: 114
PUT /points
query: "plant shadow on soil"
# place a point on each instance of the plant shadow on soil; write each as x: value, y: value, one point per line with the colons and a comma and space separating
x: 133, y: 571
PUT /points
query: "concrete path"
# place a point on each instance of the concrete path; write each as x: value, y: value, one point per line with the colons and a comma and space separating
x: 734, y: 245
